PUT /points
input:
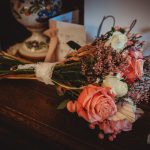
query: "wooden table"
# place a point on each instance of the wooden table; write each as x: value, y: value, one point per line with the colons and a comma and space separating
x: 28, y: 115
x: 29, y: 108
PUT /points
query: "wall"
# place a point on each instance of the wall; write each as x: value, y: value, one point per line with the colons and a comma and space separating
x: 124, y: 11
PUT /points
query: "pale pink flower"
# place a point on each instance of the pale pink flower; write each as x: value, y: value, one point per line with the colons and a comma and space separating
x: 115, y: 127
x: 117, y: 28
x: 129, y: 43
x: 127, y: 29
x: 138, y: 35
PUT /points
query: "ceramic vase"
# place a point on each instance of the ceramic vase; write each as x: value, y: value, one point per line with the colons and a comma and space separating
x: 34, y: 15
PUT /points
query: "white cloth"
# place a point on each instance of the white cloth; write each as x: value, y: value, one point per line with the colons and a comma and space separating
x: 43, y: 71
x: 27, y: 66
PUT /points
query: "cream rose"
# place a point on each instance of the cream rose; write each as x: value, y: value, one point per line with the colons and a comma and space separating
x: 127, y: 110
x: 119, y: 88
x: 117, y: 41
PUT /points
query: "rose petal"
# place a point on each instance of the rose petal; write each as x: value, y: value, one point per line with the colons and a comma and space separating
x: 71, y: 107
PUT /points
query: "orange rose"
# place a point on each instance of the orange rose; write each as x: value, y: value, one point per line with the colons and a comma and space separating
x: 135, y: 68
x: 94, y: 104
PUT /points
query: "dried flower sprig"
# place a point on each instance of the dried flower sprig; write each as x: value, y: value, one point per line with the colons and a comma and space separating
x: 108, y: 61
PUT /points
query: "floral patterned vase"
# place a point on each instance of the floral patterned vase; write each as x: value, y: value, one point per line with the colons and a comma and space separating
x: 34, y: 15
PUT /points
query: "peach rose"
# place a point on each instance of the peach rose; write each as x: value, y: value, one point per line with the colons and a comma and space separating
x: 94, y: 104
x: 135, y: 68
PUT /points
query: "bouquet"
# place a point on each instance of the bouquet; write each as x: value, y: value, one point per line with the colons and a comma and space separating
x: 102, y: 82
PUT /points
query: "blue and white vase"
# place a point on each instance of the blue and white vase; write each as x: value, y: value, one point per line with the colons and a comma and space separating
x: 34, y: 15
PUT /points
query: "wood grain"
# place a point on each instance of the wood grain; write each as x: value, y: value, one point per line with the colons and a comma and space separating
x: 30, y: 106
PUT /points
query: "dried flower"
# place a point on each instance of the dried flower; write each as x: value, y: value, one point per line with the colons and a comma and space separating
x: 108, y: 61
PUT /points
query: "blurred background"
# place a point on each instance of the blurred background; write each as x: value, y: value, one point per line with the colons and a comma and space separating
x: 91, y: 14
x: 125, y: 11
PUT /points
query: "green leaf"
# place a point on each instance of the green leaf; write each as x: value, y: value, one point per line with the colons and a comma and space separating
x: 63, y: 104
x: 113, y: 29
x: 122, y: 30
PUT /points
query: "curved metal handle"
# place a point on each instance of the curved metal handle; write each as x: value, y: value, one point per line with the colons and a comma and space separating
x: 101, y: 24
x: 132, y: 25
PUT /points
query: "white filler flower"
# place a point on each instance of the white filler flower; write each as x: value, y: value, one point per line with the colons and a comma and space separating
x: 117, y: 41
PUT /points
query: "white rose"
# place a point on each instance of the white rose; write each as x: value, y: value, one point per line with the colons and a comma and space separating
x: 117, y: 41
x: 117, y: 87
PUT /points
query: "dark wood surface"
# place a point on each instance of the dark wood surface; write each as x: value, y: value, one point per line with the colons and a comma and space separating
x: 28, y: 111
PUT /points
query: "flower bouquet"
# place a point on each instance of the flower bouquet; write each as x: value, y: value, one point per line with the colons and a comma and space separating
x: 101, y: 82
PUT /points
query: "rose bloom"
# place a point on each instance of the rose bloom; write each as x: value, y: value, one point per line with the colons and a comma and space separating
x: 118, y: 87
x: 135, y: 69
x: 94, y: 104
x: 117, y: 41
